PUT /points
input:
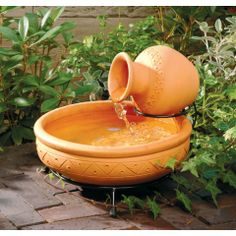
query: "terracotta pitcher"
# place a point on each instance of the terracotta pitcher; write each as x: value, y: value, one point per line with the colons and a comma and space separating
x: 161, y: 80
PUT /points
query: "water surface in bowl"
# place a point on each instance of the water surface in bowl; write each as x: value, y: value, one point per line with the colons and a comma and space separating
x: 105, y: 129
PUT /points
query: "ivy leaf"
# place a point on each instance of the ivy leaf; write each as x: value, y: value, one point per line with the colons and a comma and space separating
x: 171, y: 163
x: 181, y: 180
x: 213, y: 189
x: 207, y: 158
x: 23, y: 27
x: 230, y: 178
x: 190, y: 166
x: 154, y: 207
x: 184, y: 199
x: 129, y: 202
x: 49, y: 104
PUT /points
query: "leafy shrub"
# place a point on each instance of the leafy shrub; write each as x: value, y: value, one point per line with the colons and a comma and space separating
x: 30, y: 82
x: 90, y: 60
x: 213, y: 153
x: 177, y: 25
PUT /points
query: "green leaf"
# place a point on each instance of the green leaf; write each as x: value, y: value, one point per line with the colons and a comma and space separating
x: 84, y: 89
x: 218, y: 25
x: 8, y: 33
x: 4, y: 138
x: 129, y: 202
x: 230, y: 134
x: 171, y: 163
x: 230, y: 178
x: 207, y: 158
x: 48, y: 90
x: 88, y: 41
x: 154, y: 207
x: 203, y: 26
x: 27, y: 133
x: 3, y: 107
x: 23, y: 102
x: 8, y: 52
x: 56, y: 13
x: 16, y: 135
x: 49, y: 104
x: 69, y: 25
x: 63, y: 78
x: 184, y: 199
x: 211, y: 173
x: 45, y: 18
x: 31, y: 80
x: 231, y: 92
x: 23, y: 27
x: 213, y: 189
x: 33, y: 22
x: 5, y: 9
x: 51, y: 176
x: 33, y: 58
x: 190, y: 165
x: 181, y: 180
x: 48, y: 35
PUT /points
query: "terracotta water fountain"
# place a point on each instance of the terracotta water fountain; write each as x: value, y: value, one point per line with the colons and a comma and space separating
x: 89, y: 144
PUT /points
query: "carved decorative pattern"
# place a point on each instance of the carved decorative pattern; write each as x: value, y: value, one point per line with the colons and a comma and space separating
x: 154, y: 60
x: 114, y: 169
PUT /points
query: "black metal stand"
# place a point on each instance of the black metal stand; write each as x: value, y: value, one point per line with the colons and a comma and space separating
x: 181, y: 113
x: 112, y: 189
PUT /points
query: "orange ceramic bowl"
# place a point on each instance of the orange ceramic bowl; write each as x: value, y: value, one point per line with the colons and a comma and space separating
x: 104, y: 165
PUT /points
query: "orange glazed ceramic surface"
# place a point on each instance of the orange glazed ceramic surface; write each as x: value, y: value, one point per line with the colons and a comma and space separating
x: 68, y: 141
x: 161, y: 80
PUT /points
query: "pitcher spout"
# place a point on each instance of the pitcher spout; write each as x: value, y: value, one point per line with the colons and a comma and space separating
x: 126, y: 77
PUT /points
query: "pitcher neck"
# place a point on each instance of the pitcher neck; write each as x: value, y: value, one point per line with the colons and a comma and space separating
x: 126, y: 77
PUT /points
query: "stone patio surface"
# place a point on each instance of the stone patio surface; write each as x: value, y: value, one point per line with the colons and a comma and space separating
x: 30, y: 200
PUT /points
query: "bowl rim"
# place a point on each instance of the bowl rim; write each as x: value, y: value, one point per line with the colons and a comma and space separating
x: 106, y: 151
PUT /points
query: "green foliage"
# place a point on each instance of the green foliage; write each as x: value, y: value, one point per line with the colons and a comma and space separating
x: 132, y: 202
x: 212, y: 158
x: 182, y: 197
x: 177, y: 25
x: 90, y: 59
x: 30, y: 81
x: 171, y: 163
x: 150, y: 204
x: 153, y: 206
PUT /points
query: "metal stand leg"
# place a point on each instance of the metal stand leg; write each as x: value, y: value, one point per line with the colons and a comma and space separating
x: 113, y: 212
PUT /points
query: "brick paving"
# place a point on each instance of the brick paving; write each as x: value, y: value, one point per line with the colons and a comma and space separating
x: 29, y: 200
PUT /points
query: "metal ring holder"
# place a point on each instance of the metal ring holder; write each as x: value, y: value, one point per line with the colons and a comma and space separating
x: 181, y: 113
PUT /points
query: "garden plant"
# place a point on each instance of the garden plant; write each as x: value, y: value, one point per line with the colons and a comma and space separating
x: 32, y: 82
